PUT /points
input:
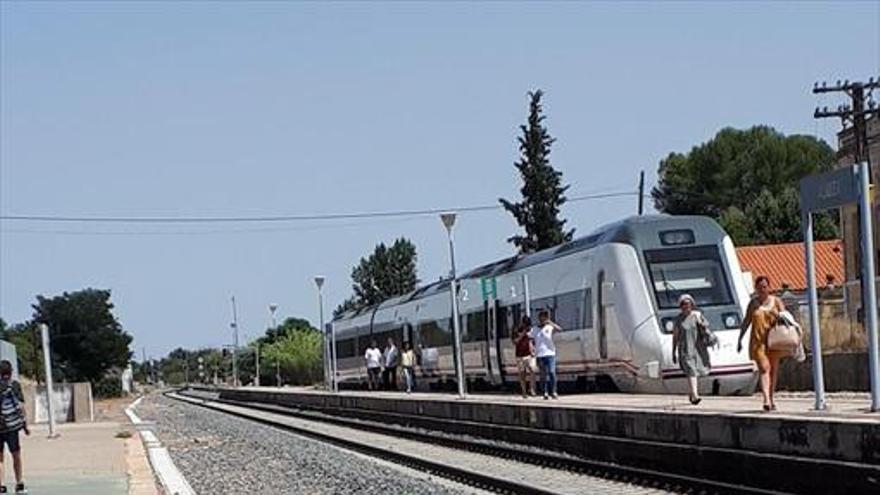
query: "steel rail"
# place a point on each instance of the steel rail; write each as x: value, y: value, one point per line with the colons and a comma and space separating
x: 647, y: 478
x: 470, y: 478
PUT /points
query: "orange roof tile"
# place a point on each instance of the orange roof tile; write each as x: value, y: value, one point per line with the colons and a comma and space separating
x: 784, y: 263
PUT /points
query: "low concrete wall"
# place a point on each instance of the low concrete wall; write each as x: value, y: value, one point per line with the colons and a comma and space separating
x: 72, y: 401
x: 843, y: 373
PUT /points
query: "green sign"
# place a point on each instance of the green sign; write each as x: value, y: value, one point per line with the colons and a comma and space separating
x: 490, y: 288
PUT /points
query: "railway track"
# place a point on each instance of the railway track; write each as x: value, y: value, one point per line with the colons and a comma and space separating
x: 315, y: 425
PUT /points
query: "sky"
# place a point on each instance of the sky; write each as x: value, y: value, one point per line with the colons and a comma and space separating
x: 284, y: 108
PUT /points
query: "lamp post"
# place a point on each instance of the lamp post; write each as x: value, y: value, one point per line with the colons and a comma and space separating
x: 234, y: 326
x: 448, y: 220
x: 329, y: 355
x: 272, y: 308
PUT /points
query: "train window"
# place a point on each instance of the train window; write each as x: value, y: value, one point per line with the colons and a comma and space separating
x: 435, y: 333
x: 346, y: 348
x: 676, y: 237
x: 475, y: 325
x: 537, y: 305
x: 569, y: 310
x: 507, y: 318
x: 696, y: 271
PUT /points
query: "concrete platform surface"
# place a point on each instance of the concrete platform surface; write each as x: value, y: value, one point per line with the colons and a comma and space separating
x: 842, y: 406
x: 86, y: 458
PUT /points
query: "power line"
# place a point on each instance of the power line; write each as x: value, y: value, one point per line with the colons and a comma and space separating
x: 288, y: 218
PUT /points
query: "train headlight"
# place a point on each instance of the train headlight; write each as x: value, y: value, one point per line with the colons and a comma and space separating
x: 731, y: 320
x: 668, y: 324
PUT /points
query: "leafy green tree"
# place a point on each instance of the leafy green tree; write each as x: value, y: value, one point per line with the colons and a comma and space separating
x: 300, y: 356
x: 747, y: 180
x: 26, y: 339
x: 542, y: 191
x: 347, y: 305
x: 27, y: 347
x: 285, y: 328
x: 387, y: 272
x: 87, y: 340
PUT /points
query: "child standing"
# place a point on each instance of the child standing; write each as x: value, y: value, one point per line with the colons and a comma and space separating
x: 11, y: 421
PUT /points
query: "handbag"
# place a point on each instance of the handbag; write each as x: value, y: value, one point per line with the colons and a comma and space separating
x: 533, y: 364
x: 707, y: 337
x: 784, y: 338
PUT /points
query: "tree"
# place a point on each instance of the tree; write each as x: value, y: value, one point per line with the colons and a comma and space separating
x: 747, y: 180
x: 388, y: 272
x: 26, y: 339
x: 87, y: 340
x: 299, y: 353
x: 542, y: 191
x: 288, y: 326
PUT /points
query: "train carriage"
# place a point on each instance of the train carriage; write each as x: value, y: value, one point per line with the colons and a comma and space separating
x: 614, y: 292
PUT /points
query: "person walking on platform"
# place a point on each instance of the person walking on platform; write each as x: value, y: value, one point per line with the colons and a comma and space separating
x: 691, y: 339
x: 525, y: 356
x: 12, y: 420
x: 373, y: 360
x: 545, y: 351
x: 390, y: 359
x: 762, y: 314
x: 408, y: 363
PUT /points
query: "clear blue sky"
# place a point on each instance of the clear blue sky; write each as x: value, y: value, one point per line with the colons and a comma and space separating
x: 212, y: 109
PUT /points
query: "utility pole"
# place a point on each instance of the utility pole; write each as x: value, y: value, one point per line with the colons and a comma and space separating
x: 853, y: 114
x: 144, y: 364
x: 50, y: 392
x: 642, y: 193
x: 234, y: 344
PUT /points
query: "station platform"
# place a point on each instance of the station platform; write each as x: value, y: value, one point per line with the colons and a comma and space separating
x: 840, y: 406
x: 728, y: 438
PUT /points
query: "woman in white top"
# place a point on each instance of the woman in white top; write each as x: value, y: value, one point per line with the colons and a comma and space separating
x: 545, y: 351
x: 373, y: 360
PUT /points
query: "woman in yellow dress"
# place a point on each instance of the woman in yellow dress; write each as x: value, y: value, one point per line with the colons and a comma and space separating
x: 761, y: 315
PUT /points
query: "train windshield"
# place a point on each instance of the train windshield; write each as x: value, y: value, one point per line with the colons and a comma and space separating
x: 693, y: 270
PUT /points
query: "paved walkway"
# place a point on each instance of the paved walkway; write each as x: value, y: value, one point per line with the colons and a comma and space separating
x: 841, y: 406
x: 86, y: 458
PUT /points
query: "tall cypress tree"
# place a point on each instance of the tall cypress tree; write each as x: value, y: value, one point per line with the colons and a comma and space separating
x: 542, y: 190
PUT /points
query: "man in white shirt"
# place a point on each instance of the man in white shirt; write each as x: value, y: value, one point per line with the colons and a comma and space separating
x: 373, y: 360
x: 545, y: 351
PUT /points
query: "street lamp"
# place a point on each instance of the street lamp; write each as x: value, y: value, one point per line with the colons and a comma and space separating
x: 448, y: 220
x: 329, y: 349
x: 272, y: 308
x: 234, y: 326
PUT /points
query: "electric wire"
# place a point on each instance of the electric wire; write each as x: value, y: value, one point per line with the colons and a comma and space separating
x: 328, y: 221
x: 288, y: 218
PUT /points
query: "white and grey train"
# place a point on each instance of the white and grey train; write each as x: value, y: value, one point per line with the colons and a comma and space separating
x: 614, y: 292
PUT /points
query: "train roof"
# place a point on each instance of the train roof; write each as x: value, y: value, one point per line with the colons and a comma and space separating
x: 626, y: 231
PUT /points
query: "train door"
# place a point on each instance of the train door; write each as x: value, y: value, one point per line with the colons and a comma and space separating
x: 602, y: 323
x: 493, y: 346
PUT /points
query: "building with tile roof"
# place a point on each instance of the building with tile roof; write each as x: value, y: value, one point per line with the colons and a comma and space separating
x: 784, y: 264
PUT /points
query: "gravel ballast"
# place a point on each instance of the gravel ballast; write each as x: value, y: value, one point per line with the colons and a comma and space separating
x: 219, y: 454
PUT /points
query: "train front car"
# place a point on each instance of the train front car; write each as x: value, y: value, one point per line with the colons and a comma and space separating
x: 684, y: 255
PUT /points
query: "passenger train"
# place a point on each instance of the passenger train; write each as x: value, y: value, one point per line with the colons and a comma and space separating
x: 614, y: 293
